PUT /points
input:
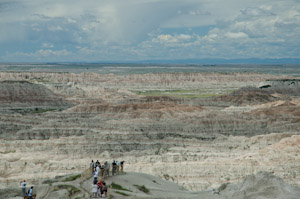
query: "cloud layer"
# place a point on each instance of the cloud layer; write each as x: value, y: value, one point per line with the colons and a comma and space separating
x: 118, y: 30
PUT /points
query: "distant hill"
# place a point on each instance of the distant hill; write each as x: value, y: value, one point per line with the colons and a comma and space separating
x: 225, y: 61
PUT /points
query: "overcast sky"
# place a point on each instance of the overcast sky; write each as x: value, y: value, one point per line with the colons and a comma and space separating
x: 123, y: 30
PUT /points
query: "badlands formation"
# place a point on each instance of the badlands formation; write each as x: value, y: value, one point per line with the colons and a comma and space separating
x: 199, y: 130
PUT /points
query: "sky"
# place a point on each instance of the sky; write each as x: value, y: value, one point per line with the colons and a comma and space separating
x: 133, y: 30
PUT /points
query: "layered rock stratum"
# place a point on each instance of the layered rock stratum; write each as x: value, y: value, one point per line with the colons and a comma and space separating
x: 198, y: 130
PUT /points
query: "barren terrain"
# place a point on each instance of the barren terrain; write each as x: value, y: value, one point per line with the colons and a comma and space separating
x: 198, y: 130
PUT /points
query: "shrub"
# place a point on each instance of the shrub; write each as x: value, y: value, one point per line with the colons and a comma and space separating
x: 72, y: 178
x: 118, y: 187
x: 71, y: 189
x: 121, y: 193
x: 142, y: 188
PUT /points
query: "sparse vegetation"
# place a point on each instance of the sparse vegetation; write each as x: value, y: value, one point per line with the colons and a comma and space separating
x: 191, y: 94
x: 142, y: 188
x: 118, y: 187
x: 122, y: 193
x: 71, y: 189
x: 9, y: 151
x: 33, y: 111
x: 72, y: 178
x: 166, y: 176
x: 49, y: 181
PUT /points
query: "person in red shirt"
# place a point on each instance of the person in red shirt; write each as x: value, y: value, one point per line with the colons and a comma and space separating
x: 100, y: 185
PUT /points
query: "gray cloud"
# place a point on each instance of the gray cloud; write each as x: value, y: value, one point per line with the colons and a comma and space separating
x: 145, y: 29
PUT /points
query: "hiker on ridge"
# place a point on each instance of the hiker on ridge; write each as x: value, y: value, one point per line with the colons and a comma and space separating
x: 122, y: 166
x: 92, y: 166
x: 98, y: 168
x: 118, y: 167
x: 94, y: 190
x: 98, y: 163
x: 23, y: 186
x: 30, y: 192
x: 100, y: 185
x: 96, y: 174
x: 104, y: 190
x: 102, y: 168
x: 114, y: 167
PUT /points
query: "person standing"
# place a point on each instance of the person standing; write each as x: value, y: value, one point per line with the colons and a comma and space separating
x: 100, y: 184
x: 108, y: 167
x: 96, y: 174
x: 92, y: 166
x: 23, y: 187
x: 98, y: 168
x: 98, y: 163
x: 118, y: 167
x: 122, y: 166
x: 94, y: 190
x: 30, y: 192
x: 114, y: 168
x: 102, y: 171
x: 104, y: 190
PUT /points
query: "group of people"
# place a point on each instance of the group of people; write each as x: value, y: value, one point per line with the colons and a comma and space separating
x: 24, y: 193
x: 99, y: 188
x: 103, y: 170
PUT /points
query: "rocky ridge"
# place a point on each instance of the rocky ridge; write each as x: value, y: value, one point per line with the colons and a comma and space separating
x: 262, y: 185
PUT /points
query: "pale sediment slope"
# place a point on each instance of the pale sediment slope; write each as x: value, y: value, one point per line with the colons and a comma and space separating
x: 261, y: 185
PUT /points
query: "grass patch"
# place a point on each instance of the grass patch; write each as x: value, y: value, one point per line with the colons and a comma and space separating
x: 9, y: 151
x: 142, y: 188
x: 49, y: 181
x: 190, y: 94
x: 122, y: 193
x: 118, y: 187
x: 72, y: 178
x: 71, y: 189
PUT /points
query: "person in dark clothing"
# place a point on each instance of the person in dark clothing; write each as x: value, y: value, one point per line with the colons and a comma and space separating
x: 30, y: 192
x: 122, y: 166
x: 104, y: 189
x: 114, y: 167
x: 98, y: 163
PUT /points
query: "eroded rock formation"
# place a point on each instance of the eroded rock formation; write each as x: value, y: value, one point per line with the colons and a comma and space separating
x: 214, y: 137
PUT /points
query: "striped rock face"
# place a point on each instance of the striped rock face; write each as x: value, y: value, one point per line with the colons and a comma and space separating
x: 196, y: 129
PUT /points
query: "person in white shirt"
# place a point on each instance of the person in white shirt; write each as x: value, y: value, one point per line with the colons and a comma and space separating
x: 94, y: 190
x: 23, y: 187
x: 98, y: 168
x: 96, y: 174
x: 118, y: 167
